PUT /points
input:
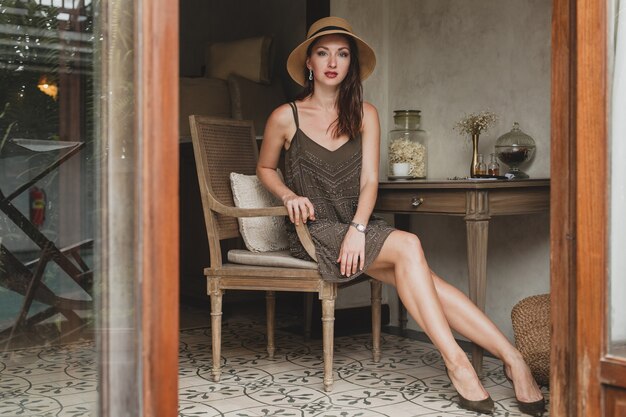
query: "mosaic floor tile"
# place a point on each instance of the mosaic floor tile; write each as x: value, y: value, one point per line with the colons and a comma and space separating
x: 409, y: 380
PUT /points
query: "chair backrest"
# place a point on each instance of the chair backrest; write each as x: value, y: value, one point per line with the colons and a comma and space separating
x: 221, y: 146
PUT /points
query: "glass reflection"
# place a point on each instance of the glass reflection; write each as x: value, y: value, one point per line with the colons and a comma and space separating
x: 46, y: 172
x: 55, y: 140
x: 617, y: 152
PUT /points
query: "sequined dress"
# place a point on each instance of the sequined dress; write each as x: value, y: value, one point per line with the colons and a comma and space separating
x: 331, y: 181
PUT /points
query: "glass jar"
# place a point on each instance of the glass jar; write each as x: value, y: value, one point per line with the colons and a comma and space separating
x: 514, y: 149
x: 494, y: 167
x: 481, y: 167
x: 408, y: 144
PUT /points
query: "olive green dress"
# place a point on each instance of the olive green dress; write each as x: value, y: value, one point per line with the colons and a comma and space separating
x: 331, y: 181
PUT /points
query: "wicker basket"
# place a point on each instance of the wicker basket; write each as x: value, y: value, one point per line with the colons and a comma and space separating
x: 531, y: 325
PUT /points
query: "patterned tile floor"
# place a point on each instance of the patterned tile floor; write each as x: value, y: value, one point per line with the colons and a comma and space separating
x: 409, y: 380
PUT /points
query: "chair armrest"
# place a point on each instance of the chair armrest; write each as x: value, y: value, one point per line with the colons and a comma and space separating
x: 305, y: 238
x: 245, y: 212
x: 302, y: 230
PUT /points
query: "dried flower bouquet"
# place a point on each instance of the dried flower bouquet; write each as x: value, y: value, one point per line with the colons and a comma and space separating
x: 475, y: 123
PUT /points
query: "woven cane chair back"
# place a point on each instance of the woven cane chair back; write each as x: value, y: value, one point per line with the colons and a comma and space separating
x: 222, y: 146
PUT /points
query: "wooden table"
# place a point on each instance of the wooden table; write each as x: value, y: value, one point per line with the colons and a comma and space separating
x: 477, y: 202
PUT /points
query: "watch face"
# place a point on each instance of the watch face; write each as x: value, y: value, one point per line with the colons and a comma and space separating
x: 360, y: 227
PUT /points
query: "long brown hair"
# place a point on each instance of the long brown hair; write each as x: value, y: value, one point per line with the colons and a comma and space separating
x: 350, y: 99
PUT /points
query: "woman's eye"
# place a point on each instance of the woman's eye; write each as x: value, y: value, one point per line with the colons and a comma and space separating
x: 321, y: 53
x: 344, y: 54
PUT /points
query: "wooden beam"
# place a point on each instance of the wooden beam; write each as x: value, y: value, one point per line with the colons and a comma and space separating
x: 591, y: 201
x: 157, y: 85
x: 563, y: 210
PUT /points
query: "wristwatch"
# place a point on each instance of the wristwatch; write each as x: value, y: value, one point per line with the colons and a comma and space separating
x: 360, y: 227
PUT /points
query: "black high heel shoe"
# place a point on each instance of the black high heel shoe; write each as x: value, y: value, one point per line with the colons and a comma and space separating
x: 535, y: 408
x: 485, y: 406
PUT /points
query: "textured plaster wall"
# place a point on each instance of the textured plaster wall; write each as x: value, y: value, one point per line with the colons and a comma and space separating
x: 447, y: 58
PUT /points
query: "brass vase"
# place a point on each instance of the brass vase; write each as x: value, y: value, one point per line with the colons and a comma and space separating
x: 474, y: 155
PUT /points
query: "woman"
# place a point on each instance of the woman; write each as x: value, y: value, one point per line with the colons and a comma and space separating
x: 331, y: 139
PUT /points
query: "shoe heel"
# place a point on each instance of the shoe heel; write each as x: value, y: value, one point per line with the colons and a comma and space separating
x: 485, y: 406
x: 535, y: 408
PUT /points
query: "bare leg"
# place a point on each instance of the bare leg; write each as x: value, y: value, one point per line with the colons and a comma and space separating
x: 464, y: 317
x: 471, y: 322
x: 402, y: 254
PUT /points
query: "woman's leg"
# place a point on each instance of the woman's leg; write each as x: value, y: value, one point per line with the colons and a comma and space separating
x: 471, y: 322
x: 464, y: 317
x: 402, y: 252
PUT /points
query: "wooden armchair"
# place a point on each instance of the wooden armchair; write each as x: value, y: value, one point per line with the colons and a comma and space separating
x: 222, y: 146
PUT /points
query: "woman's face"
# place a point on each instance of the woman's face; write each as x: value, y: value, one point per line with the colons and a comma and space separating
x: 330, y: 59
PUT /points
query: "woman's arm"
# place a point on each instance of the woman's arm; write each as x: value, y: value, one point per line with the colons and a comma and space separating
x: 279, y: 128
x: 352, y: 252
x: 370, y: 139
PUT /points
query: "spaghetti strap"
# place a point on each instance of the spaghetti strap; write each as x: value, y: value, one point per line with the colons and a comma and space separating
x: 295, y: 113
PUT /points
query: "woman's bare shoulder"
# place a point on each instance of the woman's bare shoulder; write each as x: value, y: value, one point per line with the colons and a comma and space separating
x: 282, y: 117
x: 369, y: 110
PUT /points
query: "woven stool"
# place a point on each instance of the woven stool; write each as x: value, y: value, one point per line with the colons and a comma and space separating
x: 531, y: 325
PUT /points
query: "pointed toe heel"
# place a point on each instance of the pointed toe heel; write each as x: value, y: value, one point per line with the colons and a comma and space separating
x: 535, y: 408
x: 485, y: 406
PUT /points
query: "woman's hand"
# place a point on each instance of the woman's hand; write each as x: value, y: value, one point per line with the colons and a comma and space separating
x: 352, y: 252
x: 299, y: 208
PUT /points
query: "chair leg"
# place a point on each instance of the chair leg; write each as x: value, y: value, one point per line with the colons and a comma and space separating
x: 308, y: 315
x: 270, y: 312
x: 216, y: 327
x: 328, y: 294
x: 376, y: 289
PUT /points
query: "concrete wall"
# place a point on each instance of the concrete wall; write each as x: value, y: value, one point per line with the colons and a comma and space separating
x: 448, y: 58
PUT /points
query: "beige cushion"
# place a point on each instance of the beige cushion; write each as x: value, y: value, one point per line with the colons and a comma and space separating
x: 260, y: 234
x: 204, y: 96
x: 254, y: 101
x: 278, y: 258
x: 250, y: 58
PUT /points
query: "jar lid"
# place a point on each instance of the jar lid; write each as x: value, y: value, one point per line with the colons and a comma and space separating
x: 406, y: 113
x: 516, y: 137
x: 407, y: 119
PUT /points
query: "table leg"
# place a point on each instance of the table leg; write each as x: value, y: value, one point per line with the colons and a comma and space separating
x: 477, y: 237
x: 402, y: 222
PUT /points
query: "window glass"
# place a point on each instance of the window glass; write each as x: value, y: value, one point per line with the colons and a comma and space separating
x: 66, y: 207
x: 617, y: 158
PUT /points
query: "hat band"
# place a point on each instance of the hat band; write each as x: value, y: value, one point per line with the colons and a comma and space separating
x: 325, y: 28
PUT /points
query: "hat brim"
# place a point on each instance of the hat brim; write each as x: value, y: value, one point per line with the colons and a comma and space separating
x: 297, y: 58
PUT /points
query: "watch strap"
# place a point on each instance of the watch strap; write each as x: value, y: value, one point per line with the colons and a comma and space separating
x: 360, y: 227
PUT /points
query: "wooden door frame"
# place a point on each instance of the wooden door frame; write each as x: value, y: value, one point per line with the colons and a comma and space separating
x: 582, y: 373
x: 157, y: 113
x: 578, y: 223
x: 563, y: 208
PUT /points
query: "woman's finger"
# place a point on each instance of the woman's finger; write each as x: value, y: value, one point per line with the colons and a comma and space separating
x: 304, y: 210
x: 311, y: 210
x: 296, y: 214
x: 355, y: 264
x: 362, y: 263
x: 290, y: 211
x: 343, y: 264
x: 349, y: 263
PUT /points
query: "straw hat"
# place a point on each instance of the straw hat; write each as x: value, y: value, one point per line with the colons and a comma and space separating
x: 326, y: 26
